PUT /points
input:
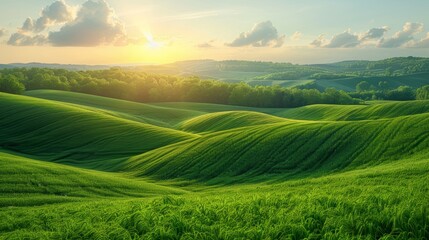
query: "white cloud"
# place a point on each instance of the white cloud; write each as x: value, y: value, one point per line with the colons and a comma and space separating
x: 374, y: 33
x: 422, y: 43
x: 319, y: 41
x: 263, y: 34
x: 57, y: 12
x: 375, y: 37
x: 343, y: 40
x: 28, y: 25
x: 208, y: 44
x: 22, y: 39
x: 95, y: 24
x: 296, y: 36
x: 2, y: 32
x: 350, y: 40
x: 402, y: 37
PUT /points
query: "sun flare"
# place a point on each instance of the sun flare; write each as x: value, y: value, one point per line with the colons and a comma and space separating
x: 151, y: 43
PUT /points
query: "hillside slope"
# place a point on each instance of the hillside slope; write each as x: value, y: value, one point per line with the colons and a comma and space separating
x: 61, y: 132
x: 219, y: 121
x: 147, y: 113
x: 286, y: 149
x: 356, y: 112
x: 29, y: 182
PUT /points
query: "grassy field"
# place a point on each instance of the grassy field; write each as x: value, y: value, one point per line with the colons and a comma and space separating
x: 75, y: 166
x: 64, y: 133
x: 156, y: 115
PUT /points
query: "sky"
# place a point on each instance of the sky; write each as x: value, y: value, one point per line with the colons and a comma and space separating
x: 162, y: 31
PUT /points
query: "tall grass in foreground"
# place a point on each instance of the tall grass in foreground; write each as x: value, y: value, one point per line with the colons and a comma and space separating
x: 384, y: 202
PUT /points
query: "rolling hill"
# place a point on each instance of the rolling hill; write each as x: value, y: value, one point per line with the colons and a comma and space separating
x: 218, y: 121
x: 156, y: 115
x: 356, y: 112
x: 27, y: 182
x: 64, y: 133
x: 287, y: 149
x: 76, y: 166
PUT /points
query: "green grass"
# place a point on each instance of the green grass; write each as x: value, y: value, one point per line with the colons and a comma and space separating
x: 218, y: 121
x: 75, y: 166
x: 161, y: 116
x: 376, y: 110
x: 28, y: 182
x: 210, y: 108
x: 286, y: 149
x: 64, y: 133
x: 360, y: 204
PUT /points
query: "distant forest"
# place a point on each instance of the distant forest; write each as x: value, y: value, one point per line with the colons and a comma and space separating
x: 144, y: 87
x: 137, y: 84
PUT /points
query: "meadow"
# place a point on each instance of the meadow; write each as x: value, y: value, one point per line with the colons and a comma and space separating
x: 78, y: 166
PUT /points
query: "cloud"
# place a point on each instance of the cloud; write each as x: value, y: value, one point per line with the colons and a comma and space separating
x: 2, y: 32
x: 402, y: 37
x: 95, y: 24
x: 263, y: 34
x: 28, y: 25
x: 422, y: 43
x: 319, y: 41
x: 208, y: 44
x: 22, y: 39
x: 374, y: 33
x: 296, y: 36
x: 343, y: 40
x: 375, y: 37
x: 350, y: 40
x: 57, y: 12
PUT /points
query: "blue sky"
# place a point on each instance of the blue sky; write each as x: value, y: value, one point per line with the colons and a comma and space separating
x: 164, y: 31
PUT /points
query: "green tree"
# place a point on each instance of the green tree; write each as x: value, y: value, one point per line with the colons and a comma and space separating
x: 422, y: 93
x: 382, y: 85
x: 11, y: 84
x: 402, y: 93
x: 362, y: 86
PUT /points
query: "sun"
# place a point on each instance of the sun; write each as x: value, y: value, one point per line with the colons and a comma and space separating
x: 157, y: 50
x: 151, y: 43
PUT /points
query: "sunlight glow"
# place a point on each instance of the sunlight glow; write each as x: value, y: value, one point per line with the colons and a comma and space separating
x: 151, y: 43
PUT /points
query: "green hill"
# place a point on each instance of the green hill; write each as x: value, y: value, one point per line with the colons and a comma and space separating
x: 227, y: 120
x: 215, y: 172
x: 65, y: 133
x: 356, y: 112
x: 26, y: 182
x: 286, y: 150
x: 211, y: 108
x: 157, y: 115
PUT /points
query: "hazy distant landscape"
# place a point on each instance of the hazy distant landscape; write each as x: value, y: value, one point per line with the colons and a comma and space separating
x: 214, y: 120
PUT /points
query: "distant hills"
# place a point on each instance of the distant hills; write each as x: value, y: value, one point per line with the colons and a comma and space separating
x: 75, y: 67
x: 345, y: 75
x: 209, y: 142
x: 390, y: 66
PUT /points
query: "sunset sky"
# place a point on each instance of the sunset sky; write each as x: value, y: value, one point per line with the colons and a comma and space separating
x: 161, y: 31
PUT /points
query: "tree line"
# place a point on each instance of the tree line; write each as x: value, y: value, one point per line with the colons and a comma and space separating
x: 143, y: 87
x: 365, y: 91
